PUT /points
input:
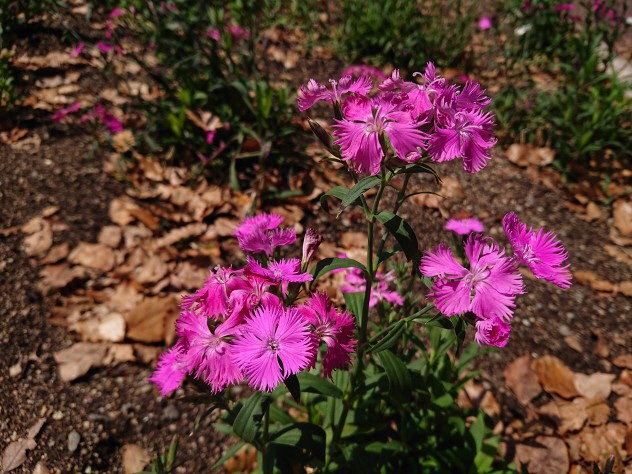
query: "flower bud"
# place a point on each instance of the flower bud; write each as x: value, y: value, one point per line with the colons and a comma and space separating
x: 311, y: 241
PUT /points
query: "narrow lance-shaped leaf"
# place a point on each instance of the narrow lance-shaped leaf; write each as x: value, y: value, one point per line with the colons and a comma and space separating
x: 326, y: 265
x: 249, y: 418
x: 402, y: 232
x: 359, y: 189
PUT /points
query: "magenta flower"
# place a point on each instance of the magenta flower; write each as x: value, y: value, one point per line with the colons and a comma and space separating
x: 488, y: 288
x: 492, y: 332
x: 541, y: 251
x: 334, y: 328
x: 357, y: 70
x: 237, y: 32
x: 254, y: 293
x: 214, y: 33
x: 418, y: 97
x: 260, y: 233
x: 355, y: 282
x: 212, y: 300
x: 468, y: 135
x: 77, y: 50
x: 365, y: 121
x: 564, y: 7
x: 485, y: 23
x: 113, y: 124
x: 116, y: 12
x: 464, y: 226
x: 60, y: 114
x: 104, y: 47
x: 274, y: 343
x: 315, y: 91
x: 169, y: 372
x: 208, y: 353
x: 280, y: 272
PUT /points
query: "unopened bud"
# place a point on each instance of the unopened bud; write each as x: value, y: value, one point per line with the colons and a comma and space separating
x: 311, y: 242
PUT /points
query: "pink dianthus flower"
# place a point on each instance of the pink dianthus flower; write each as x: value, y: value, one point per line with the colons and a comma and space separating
x: 487, y: 288
x: 334, y: 328
x: 280, y: 272
x: 492, y: 332
x: 208, y: 353
x: 355, y: 282
x: 541, y: 251
x: 365, y: 121
x: 273, y: 344
x: 169, y: 372
x: 260, y: 233
x: 464, y: 226
x: 467, y: 135
x: 315, y: 91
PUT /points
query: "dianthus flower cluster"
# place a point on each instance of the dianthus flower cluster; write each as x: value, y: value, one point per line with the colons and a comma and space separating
x: 488, y: 285
x: 243, y: 325
x: 406, y: 119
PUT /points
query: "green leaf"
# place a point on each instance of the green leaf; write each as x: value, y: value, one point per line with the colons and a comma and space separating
x: 417, y: 168
x: 326, y: 265
x: 398, y: 376
x: 359, y: 189
x: 355, y: 302
x: 249, y: 418
x: 314, y: 384
x: 389, y: 339
x: 402, y: 232
x: 303, y: 436
x: 294, y: 387
x: 339, y: 192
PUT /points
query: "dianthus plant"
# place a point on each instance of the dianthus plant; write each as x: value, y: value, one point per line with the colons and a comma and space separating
x: 371, y: 388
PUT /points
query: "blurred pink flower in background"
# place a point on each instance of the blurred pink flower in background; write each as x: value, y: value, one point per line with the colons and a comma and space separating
x: 485, y: 23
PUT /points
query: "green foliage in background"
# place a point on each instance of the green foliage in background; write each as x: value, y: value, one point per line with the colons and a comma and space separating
x: 583, y: 114
x: 407, y: 33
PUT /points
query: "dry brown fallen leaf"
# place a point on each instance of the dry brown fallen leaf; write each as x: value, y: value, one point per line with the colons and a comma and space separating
x: 40, y: 240
x: 180, y: 233
x: 619, y: 253
x: 95, y: 256
x: 152, y: 270
x: 590, y: 278
x: 624, y: 287
x: 110, y: 235
x: 147, y: 321
x: 601, y: 441
x: 623, y: 405
x: 123, y: 141
x: 555, y: 376
x: 119, y: 210
x: 58, y: 276
x: 573, y: 342
x: 622, y: 216
x: 14, y: 454
x: 598, y: 385
x: 78, y: 359
x: 526, y: 154
x: 134, y: 458
x: 547, y: 455
x: 623, y: 361
x: 571, y: 416
x: 108, y: 327
x: 188, y: 276
x: 30, y: 145
x: 522, y: 379
x: 56, y: 253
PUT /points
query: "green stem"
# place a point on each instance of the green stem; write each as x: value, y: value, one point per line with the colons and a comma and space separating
x: 266, y: 436
x: 364, y: 317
